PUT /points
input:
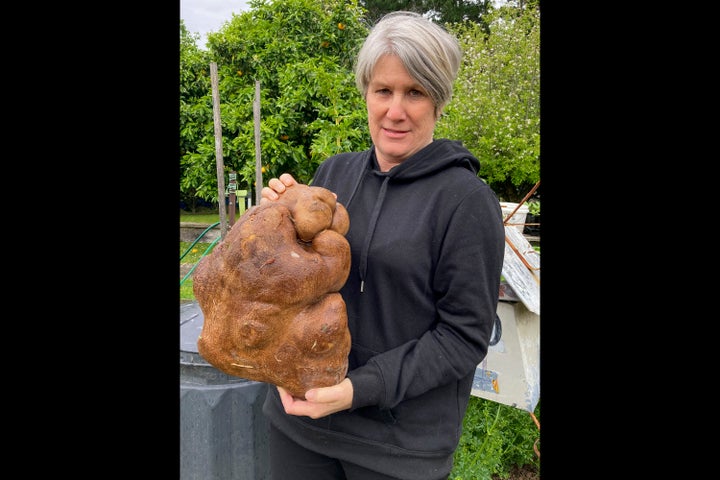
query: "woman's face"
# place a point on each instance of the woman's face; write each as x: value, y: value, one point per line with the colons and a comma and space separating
x: 401, y: 115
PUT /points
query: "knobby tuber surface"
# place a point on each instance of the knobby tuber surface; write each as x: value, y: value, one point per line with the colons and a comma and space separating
x: 269, y: 293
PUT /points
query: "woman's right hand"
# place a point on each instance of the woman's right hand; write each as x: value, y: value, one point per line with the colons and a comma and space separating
x: 276, y: 186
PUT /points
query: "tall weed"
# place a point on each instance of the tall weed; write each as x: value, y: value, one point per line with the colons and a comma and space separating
x: 495, y: 438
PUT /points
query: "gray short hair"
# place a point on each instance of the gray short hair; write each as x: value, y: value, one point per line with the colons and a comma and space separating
x: 430, y: 54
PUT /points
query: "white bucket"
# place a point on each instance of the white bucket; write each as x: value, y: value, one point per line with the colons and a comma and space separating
x: 517, y: 220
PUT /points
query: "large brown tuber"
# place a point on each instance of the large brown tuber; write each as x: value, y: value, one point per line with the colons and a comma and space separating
x: 269, y: 293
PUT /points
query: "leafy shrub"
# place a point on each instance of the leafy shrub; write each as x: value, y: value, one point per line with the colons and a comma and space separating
x: 495, y: 438
x: 495, y: 109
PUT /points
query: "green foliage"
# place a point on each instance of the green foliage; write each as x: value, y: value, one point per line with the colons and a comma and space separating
x: 495, y: 438
x: 533, y: 207
x: 301, y: 52
x: 194, y: 115
x: 495, y: 109
x: 442, y: 11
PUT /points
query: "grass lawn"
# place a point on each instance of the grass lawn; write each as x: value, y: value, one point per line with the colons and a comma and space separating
x: 209, y: 215
x: 191, y: 258
x: 203, y: 215
x: 208, y: 218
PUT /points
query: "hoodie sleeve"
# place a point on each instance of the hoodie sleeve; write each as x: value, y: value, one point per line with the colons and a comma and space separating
x: 466, y: 289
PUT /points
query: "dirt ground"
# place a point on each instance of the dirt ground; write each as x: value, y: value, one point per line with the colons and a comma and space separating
x: 522, y: 473
x: 525, y: 472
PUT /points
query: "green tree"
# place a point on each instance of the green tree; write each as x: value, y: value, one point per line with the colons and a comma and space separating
x: 495, y: 109
x: 377, y: 8
x: 442, y: 11
x: 302, y: 53
x: 194, y: 112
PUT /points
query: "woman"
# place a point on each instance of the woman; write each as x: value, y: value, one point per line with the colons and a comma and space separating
x: 427, y: 245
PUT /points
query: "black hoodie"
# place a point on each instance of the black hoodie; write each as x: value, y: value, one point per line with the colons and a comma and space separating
x: 427, y: 242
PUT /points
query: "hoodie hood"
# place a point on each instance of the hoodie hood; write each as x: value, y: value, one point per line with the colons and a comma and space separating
x: 439, y: 155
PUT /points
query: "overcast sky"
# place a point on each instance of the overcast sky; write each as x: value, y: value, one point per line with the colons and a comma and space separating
x: 203, y: 16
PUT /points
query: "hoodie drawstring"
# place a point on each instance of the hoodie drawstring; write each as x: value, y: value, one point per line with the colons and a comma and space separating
x: 370, y: 232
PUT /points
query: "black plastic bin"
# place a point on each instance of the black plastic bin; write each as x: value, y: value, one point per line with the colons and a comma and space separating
x: 223, y: 433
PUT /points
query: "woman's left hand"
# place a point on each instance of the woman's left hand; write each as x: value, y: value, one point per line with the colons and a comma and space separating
x: 319, y: 402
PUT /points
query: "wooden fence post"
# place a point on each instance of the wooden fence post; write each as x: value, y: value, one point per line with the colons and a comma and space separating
x: 218, y: 149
